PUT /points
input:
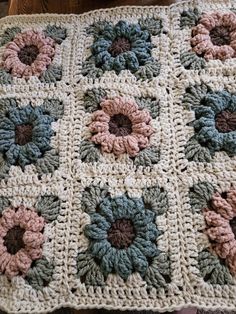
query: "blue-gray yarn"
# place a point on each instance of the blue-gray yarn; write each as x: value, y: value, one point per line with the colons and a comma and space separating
x: 23, y: 155
x: 143, y: 247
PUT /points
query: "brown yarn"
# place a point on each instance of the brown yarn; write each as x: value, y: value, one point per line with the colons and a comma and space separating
x: 120, y: 125
x: 220, y: 36
x: 23, y: 134
x: 226, y: 121
x: 28, y: 54
x: 119, y: 45
x: 121, y: 234
x: 14, y: 240
x: 233, y: 225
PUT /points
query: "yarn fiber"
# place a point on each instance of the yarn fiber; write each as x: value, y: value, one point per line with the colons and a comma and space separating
x: 118, y: 159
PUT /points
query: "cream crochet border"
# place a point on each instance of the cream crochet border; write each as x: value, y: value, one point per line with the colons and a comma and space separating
x: 72, y: 176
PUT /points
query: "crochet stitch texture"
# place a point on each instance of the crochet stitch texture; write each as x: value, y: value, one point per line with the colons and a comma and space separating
x: 118, y: 159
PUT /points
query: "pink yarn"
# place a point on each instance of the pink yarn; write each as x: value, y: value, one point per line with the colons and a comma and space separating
x: 202, y: 42
x: 45, y: 45
x: 111, y: 143
x: 14, y: 264
x: 219, y: 230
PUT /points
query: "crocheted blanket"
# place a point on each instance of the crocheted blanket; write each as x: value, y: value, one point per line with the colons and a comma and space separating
x: 118, y: 159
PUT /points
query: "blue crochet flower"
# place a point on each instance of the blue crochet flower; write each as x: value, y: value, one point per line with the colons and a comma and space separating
x: 215, y: 124
x: 122, y: 236
x: 25, y: 135
x: 120, y: 47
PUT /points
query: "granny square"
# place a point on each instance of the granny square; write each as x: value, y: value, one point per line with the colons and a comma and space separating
x: 118, y: 159
x: 36, y: 50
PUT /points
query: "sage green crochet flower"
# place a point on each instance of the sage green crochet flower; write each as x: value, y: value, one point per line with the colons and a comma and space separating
x: 122, y: 236
x: 215, y: 124
x: 123, y: 46
x: 25, y: 135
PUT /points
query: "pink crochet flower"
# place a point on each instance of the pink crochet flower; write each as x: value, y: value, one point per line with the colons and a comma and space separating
x: 29, y: 54
x: 215, y: 36
x: 21, y: 240
x: 121, y: 127
x: 221, y: 226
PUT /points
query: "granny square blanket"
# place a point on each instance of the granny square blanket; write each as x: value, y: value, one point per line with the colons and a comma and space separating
x: 118, y: 159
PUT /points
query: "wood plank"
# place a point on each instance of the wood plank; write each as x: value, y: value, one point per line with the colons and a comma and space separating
x: 73, y: 6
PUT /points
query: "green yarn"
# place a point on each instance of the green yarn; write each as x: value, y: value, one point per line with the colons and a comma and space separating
x: 158, y: 273
x: 49, y: 207
x: 191, y: 61
x: 5, y: 77
x: 89, y: 69
x: 40, y: 275
x: 89, y: 152
x: 98, y: 28
x: 151, y: 104
x: 152, y: 25
x: 92, y: 99
x: 156, y: 199
x: 89, y: 270
x: 9, y: 35
x: 92, y: 197
x: 189, y: 18
x: 48, y: 163
x: 196, y: 152
x: 148, y: 71
x: 6, y: 104
x: 147, y: 157
x: 52, y: 74
x: 200, y: 194
x: 4, y: 167
x: 194, y: 94
x: 212, y: 270
x: 56, y: 32
x: 53, y: 107
x: 4, y: 203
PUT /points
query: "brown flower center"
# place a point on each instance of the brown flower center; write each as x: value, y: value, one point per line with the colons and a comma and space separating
x: 23, y: 134
x: 13, y: 240
x: 28, y: 54
x: 226, y: 121
x: 220, y: 35
x: 120, y: 125
x: 233, y: 225
x: 119, y: 45
x: 121, y: 234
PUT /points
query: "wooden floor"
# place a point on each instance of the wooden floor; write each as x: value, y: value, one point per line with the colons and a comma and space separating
x: 74, y: 6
